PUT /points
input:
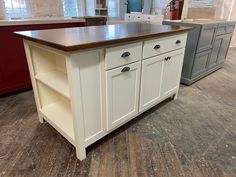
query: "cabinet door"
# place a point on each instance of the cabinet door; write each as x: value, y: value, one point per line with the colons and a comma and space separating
x: 206, y: 38
x: 200, y: 63
x: 122, y: 94
x: 225, y: 42
x: 150, y: 93
x: 171, y: 72
x: 215, y: 51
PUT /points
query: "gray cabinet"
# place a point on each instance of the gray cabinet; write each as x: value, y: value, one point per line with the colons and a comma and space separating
x: 206, y: 48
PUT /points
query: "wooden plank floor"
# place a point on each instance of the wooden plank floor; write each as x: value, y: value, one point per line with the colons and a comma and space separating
x: 194, y: 136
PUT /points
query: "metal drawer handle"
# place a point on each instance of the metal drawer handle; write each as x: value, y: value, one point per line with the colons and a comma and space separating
x: 125, y: 54
x: 178, y: 41
x: 125, y: 69
x: 157, y: 47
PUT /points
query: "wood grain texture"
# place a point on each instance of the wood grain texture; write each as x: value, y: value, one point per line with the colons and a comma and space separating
x: 70, y: 39
x: 194, y: 136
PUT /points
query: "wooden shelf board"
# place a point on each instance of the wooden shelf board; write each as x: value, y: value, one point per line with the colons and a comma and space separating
x: 59, y: 116
x: 56, y: 80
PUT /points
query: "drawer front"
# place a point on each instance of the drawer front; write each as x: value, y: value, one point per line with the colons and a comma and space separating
x: 230, y: 28
x: 138, y: 17
x: 225, y: 28
x: 162, y: 45
x: 222, y: 29
x: 122, y: 55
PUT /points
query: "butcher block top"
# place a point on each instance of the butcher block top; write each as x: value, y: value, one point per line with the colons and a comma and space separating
x: 71, y: 39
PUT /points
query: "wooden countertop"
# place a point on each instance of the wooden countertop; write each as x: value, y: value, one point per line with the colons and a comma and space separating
x: 71, y: 39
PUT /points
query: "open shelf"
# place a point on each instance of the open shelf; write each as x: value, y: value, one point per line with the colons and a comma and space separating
x: 56, y: 80
x: 50, y: 69
x: 56, y: 110
x: 59, y: 116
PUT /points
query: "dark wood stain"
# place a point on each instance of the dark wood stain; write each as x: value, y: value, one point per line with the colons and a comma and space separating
x: 194, y: 136
x: 71, y: 39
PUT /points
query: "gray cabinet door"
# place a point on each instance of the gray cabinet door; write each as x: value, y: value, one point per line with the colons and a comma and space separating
x: 225, y: 42
x: 206, y: 38
x: 200, y: 63
x: 215, y: 52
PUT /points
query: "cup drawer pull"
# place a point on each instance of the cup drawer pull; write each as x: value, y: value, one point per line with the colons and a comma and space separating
x: 125, y: 69
x: 125, y: 54
x: 157, y: 47
x: 178, y: 41
x: 167, y: 58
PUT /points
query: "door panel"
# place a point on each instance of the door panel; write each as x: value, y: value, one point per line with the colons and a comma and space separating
x: 172, y: 72
x: 122, y: 94
x: 150, y: 93
x: 215, y: 51
x: 200, y: 63
x: 224, y: 48
x: 206, y: 38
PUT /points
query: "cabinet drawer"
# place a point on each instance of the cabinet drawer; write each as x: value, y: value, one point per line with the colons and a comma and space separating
x: 222, y: 29
x: 230, y: 28
x: 122, y: 55
x: 225, y: 28
x: 163, y: 45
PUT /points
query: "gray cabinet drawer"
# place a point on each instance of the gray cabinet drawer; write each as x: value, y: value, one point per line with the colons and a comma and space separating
x: 230, y: 27
x: 200, y: 63
x: 225, y: 28
x: 222, y: 29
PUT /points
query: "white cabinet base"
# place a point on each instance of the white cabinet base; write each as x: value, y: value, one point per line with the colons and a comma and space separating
x: 85, y: 95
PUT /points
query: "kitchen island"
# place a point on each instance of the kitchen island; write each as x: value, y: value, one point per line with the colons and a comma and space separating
x: 88, y: 81
x: 207, y: 46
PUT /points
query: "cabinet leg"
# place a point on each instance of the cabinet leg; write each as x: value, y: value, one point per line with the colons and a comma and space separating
x: 80, y: 153
x: 175, y: 96
x: 41, y: 120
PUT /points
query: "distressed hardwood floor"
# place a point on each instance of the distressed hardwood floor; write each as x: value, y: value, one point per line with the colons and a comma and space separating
x: 194, y: 136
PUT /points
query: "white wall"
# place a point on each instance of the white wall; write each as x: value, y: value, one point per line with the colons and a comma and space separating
x: 233, y: 17
x: 2, y: 10
x: 158, y: 5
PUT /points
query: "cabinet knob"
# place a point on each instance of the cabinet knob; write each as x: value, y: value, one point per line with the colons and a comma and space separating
x: 125, y: 69
x: 178, y: 41
x: 157, y: 47
x: 125, y: 54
